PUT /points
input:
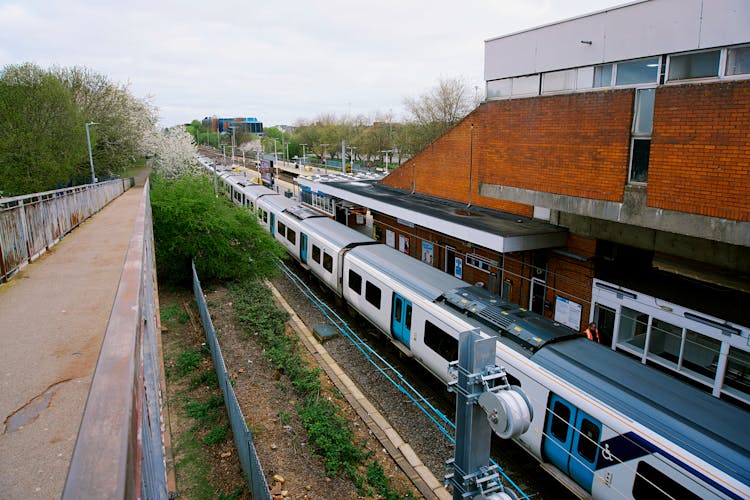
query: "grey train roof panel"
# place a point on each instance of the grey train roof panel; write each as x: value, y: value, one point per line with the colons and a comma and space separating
x: 672, y: 408
x: 336, y: 233
x: 425, y: 280
x: 508, y: 319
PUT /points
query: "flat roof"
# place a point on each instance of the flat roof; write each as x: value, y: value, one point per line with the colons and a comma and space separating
x: 493, y: 229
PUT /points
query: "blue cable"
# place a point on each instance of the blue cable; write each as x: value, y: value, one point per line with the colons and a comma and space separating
x: 369, y: 352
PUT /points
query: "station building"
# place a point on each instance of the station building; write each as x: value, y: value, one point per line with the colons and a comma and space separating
x: 215, y: 124
x: 605, y: 178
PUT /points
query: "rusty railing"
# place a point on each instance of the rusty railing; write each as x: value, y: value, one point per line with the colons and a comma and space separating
x: 120, y: 450
x: 31, y: 224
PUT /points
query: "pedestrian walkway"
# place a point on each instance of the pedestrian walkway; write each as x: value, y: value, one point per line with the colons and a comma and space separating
x: 53, y: 315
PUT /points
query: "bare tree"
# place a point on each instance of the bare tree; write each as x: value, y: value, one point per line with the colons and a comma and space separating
x: 439, y: 109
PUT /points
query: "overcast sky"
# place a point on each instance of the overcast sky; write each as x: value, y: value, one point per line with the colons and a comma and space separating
x: 278, y: 61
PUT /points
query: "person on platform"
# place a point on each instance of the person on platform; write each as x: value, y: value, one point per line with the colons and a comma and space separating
x: 592, y: 333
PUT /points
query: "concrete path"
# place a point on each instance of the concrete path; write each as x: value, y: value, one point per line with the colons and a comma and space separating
x: 53, y: 315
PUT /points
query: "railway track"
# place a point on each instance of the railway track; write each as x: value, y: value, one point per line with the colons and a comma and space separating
x: 427, y: 434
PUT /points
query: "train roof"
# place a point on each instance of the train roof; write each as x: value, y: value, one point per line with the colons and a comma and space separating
x: 708, y: 427
x: 425, y: 280
x: 339, y: 235
x: 278, y: 202
x: 506, y: 319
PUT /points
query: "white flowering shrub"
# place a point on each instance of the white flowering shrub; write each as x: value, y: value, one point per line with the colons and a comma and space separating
x: 174, y: 153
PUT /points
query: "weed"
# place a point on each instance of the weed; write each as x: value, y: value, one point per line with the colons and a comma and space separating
x: 169, y: 312
x: 205, y: 379
x: 187, y: 361
x: 233, y: 496
x: 216, y: 435
x: 284, y: 417
x: 204, y: 413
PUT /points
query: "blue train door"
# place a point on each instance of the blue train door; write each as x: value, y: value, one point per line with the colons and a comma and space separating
x: 571, y: 441
x: 272, y: 226
x: 303, y: 247
x: 401, y: 319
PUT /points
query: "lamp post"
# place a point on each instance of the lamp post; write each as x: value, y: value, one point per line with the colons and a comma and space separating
x: 91, y: 157
x: 385, y: 154
x: 351, y: 153
x: 303, y: 153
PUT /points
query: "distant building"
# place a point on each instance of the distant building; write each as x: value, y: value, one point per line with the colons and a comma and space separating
x: 251, y: 125
x: 629, y: 128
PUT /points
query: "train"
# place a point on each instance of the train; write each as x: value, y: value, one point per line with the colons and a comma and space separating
x: 603, y: 424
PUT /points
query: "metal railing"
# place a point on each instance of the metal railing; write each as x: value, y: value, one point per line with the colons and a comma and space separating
x: 119, y: 452
x: 31, y: 224
x: 243, y: 439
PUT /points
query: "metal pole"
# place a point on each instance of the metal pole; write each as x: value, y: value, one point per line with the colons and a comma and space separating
x: 343, y: 156
x: 473, y: 433
x: 91, y: 157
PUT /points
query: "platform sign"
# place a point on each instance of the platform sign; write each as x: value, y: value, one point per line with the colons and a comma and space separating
x: 568, y: 312
x: 427, y: 252
x: 458, y: 268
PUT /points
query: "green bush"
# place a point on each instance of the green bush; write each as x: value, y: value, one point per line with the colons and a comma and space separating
x: 191, y: 223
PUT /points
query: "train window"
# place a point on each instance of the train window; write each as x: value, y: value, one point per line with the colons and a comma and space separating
x: 291, y: 236
x: 372, y: 294
x: 651, y: 483
x: 407, y: 321
x: 355, y: 282
x: 560, y: 421
x: 282, y: 228
x: 265, y: 217
x: 439, y: 341
x: 316, y: 253
x: 327, y: 262
x: 588, y: 443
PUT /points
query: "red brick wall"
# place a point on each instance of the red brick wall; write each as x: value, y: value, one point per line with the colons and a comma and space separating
x: 572, y: 278
x: 700, y: 150
x: 574, y: 144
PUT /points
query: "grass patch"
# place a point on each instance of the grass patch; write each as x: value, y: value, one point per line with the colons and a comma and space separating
x: 206, y: 412
x: 327, y: 430
x: 216, y: 435
x: 206, y: 379
x: 187, y: 362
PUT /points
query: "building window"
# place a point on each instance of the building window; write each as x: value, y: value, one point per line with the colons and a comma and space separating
x: 737, y: 376
x: 372, y: 294
x: 738, y: 61
x: 439, y: 341
x: 695, y: 65
x: 498, y: 88
x: 603, y: 75
x: 559, y: 81
x: 327, y: 262
x: 525, y: 85
x: 643, y: 125
x: 478, y: 262
x: 355, y: 282
x: 639, y: 71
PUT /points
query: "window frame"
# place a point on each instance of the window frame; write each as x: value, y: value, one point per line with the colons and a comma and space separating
x: 720, y: 67
x: 439, y: 341
x: 370, y: 297
x: 357, y: 279
x: 327, y: 261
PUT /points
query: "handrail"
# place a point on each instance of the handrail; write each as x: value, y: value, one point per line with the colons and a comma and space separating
x: 31, y: 224
x: 119, y: 452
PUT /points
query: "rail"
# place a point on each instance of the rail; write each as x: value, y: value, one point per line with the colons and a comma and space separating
x: 31, y: 224
x: 119, y: 452
x: 243, y: 438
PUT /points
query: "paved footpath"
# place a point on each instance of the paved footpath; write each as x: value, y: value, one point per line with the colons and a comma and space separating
x: 53, y: 315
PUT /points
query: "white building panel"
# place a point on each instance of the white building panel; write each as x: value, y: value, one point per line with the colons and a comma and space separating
x: 639, y: 29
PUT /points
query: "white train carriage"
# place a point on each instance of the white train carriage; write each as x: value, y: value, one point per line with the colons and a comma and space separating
x: 604, y: 424
x: 268, y: 208
x: 325, y: 243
